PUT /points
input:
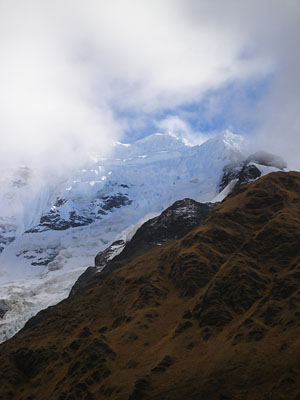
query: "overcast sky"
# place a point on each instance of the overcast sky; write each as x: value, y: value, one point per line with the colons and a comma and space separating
x: 77, y: 74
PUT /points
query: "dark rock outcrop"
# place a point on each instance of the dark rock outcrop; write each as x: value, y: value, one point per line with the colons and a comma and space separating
x: 53, y: 220
x: 171, y: 224
x: 104, y: 256
x: 116, y: 201
x: 3, y: 308
x: 101, y: 260
x: 4, y: 241
x: 245, y: 172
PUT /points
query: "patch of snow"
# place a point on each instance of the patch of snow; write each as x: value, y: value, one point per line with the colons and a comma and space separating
x: 25, y: 297
x: 264, y: 169
x: 225, y: 192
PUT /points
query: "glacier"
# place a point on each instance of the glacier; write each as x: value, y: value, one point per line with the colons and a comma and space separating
x: 52, y: 230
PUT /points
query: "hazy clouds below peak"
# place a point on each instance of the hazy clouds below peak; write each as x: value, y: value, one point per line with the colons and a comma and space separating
x: 74, y: 75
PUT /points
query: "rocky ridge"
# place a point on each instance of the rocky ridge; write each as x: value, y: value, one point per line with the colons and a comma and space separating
x: 171, y: 224
x: 249, y: 169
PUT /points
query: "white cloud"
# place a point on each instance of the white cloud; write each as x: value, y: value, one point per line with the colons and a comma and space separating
x: 182, y: 129
x: 67, y: 65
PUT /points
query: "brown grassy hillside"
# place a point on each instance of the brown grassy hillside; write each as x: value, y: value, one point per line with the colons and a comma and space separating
x: 214, y: 315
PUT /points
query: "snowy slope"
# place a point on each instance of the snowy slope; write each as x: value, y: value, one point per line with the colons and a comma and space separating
x: 59, y: 229
x: 98, y: 202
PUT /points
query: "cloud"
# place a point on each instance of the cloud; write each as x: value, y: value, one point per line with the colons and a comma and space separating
x: 182, y: 129
x: 74, y: 75
x: 46, y: 115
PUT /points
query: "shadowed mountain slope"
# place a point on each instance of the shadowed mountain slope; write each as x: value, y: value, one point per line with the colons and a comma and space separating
x: 213, y: 315
x: 171, y: 224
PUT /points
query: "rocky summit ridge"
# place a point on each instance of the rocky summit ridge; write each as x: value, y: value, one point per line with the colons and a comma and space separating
x: 211, y: 315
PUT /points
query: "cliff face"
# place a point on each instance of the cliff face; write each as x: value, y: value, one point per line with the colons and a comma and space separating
x: 213, y: 315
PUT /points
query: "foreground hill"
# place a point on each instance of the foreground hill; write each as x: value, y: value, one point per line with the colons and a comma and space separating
x: 213, y: 315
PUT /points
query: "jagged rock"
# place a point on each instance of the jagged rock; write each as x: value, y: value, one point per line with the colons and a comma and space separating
x: 101, y: 260
x: 245, y: 171
x: 5, y: 241
x: 243, y: 174
x: 116, y: 201
x: 171, y: 224
x: 3, y: 308
x: 59, y: 202
x: 54, y: 221
x: 102, y: 257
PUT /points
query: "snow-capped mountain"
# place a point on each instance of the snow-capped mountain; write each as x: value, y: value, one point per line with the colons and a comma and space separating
x: 52, y: 230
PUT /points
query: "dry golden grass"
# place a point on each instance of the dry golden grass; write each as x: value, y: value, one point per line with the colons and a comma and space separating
x: 215, y: 315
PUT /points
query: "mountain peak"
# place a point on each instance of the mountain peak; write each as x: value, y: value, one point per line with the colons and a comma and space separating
x: 154, y: 143
x: 231, y: 140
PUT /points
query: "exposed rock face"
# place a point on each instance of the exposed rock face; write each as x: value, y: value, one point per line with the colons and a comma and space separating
x: 116, y: 201
x: 171, y: 224
x: 5, y: 241
x: 245, y: 172
x: 3, y: 308
x: 103, y: 257
x: 212, y: 315
x: 55, y: 221
x: 7, y: 231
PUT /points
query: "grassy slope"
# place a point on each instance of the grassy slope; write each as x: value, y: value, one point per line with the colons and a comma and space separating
x: 214, y: 315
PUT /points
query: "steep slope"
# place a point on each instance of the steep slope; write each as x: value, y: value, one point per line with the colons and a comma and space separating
x: 57, y: 228
x: 171, y: 224
x: 139, y: 178
x: 213, y: 315
x: 251, y: 168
